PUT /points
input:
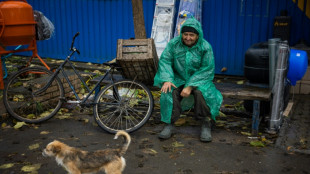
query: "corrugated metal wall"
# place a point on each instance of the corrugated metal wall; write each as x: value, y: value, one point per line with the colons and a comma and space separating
x: 231, y: 26
x: 100, y: 22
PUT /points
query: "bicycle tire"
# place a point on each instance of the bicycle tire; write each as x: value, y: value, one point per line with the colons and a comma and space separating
x: 129, y: 112
x: 19, y: 98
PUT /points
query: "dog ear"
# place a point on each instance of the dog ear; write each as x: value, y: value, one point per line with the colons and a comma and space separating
x: 56, y: 149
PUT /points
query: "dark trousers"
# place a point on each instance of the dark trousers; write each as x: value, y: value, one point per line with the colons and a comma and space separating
x: 201, y: 110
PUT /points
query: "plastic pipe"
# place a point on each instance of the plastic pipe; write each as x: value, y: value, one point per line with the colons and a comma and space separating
x: 272, y: 48
x: 278, y: 87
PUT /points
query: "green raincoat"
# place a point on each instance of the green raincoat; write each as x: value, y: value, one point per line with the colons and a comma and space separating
x: 186, y: 66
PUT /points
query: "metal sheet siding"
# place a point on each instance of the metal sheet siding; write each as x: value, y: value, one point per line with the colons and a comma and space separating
x: 100, y: 22
x: 231, y: 27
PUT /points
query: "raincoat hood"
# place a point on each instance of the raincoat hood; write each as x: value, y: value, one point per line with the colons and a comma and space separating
x: 192, y: 22
x: 188, y: 66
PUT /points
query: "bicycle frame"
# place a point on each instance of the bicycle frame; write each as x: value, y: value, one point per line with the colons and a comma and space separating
x: 35, y: 94
x: 61, y: 68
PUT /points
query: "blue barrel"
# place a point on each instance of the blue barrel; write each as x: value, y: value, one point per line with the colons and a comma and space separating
x: 298, y: 63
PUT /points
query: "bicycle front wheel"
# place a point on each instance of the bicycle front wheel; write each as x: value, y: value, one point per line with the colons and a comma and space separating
x: 123, y: 105
x: 24, y: 104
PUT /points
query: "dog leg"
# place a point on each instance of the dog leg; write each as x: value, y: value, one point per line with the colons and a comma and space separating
x: 72, y: 169
x: 114, y: 167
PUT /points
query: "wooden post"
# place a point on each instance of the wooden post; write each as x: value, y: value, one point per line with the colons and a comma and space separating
x: 255, y: 117
x: 138, y: 19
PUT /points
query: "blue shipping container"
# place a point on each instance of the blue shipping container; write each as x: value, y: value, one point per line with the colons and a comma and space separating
x: 230, y: 26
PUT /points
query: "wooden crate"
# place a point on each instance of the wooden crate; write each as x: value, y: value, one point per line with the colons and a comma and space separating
x: 138, y: 58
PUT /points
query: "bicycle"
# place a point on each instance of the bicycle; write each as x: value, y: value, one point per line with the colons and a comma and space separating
x: 35, y: 94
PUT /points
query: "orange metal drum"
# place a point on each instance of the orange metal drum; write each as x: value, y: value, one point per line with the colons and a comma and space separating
x: 17, y: 25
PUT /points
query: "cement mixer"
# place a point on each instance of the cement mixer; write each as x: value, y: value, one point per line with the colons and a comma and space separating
x: 17, y: 27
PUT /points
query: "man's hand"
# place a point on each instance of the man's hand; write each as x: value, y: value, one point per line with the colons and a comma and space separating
x: 167, y: 87
x: 186, y: 91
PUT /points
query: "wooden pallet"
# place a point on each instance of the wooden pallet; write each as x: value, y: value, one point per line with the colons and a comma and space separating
x: 138, y: 59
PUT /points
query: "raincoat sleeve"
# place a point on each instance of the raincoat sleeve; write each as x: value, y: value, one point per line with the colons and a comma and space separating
x: 165, y: 71
x: 206, y: 70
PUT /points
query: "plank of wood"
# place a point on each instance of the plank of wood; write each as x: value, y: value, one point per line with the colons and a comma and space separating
x: 135, y: 49
x: 243, y: 92
x: 135, y: 56
x: 288, y: 109
x: 136, y: 42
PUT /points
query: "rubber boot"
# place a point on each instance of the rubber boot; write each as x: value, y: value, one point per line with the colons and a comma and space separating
x: 166, y: 132
x: 205, y: 135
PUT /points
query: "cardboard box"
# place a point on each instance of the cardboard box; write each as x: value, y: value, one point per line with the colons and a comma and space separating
x: 305, y: 87
x: 302, y: 86
x: 306, y: 77
x: 295, y: 89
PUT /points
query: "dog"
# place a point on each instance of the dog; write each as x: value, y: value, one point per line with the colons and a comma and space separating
x: 77, y: 161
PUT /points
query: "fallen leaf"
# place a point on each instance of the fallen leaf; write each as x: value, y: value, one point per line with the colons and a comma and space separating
x: 31, y: 116
x: 180, y: 122
x: 151, y: 132
x: 302, y: 141
x: 34, y: 146
x: 64, y: 110
x: 192, y: 153
x: 246, y: 133
x: 257, y: 144
x: 44, y: 132
x: 67, y: 114
x: 3, y: 125
x: 19, y: 125
x: 177, y: 144
x: 289, y: 148
x: 150, y: 151
x: 221, y: 114
x: 86, y: 120
x: 6, y: 166
x: 240, y: 82
x: 31, y: 168
x: 220, y: 122
x: 223, y: 69
x: 220, y: 125
x: 61, y: 117
x: 229, y: 106
x: 82, y: 91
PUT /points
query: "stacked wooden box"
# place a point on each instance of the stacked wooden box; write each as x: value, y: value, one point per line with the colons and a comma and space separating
x: 138, y: 59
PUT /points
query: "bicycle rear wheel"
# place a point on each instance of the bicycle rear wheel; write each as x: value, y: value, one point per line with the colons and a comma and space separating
x: 123, y: 105
x: 19, y: 98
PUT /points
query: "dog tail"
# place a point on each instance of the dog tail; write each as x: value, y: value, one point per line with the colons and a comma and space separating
x: 127, y: 140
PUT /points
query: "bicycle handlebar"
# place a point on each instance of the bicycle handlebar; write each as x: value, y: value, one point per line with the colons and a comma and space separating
x: 76, y: 34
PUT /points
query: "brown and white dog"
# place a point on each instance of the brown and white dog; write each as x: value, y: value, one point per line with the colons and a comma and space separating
x: 75, y: 160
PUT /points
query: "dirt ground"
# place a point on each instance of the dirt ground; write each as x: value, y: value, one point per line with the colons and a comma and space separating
x: 232, y: 151
x: 229, y: 152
